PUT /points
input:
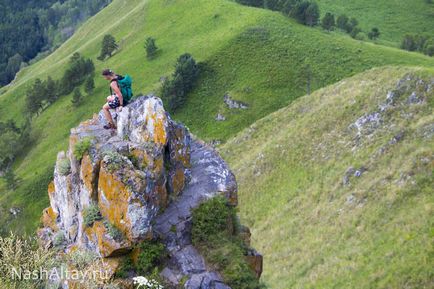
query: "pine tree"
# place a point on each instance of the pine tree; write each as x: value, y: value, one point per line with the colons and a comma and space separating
x: 312, y: 14
x: 89, y: 85
x: 175, y: 90
x: 51, y: 88
x: 151, y: 48
x: 328, y: 21
x: 35, y: 96
x: 109, y: 45
x: 77, y: 97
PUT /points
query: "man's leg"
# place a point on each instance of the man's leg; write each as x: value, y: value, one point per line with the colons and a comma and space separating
x: 108, y: 115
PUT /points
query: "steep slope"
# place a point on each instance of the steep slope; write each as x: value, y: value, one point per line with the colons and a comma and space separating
x: 338, y: 186
x: 257, y: 56
x: 393, y: 18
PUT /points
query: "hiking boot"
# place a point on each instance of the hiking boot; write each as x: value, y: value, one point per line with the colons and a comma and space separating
x: 110, y: 126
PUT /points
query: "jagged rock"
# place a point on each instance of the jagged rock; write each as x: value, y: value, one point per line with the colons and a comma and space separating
x: 14, y: 211
x: 255, y: 261
x: 220, y: 117
x: 123, y: 172
x: 143, y: 180
x: 234, y: 104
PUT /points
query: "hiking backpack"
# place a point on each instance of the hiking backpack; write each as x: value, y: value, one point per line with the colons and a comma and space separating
x: 125, y: 83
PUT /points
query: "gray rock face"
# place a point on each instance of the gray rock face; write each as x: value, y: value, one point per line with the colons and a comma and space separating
x: 210, y: 176
x: 409, y: 91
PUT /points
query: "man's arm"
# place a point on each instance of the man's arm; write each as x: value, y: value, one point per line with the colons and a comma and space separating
x: 118, y: 92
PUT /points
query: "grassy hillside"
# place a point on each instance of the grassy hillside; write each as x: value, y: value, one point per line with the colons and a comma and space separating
x: 338, y: 186
x: 393, y: 18
x: 256, y: 55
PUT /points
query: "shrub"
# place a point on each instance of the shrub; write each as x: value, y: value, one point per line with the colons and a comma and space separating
x: 91, y: 214
x: 59, y: 239
x: 355, y: 32
x: 211, y: 217
x: 374, y: 33
x: 151, y: 48
x: 80, y: 259
x: 125, y: 268
x: 113, y: 160
x: 11, y: 179
x: 328, y: 21
x: 113, y: 231
x: 64, y: 167
x: 151, y: 254
x: 77, y: 97
x: 342, y: 21
x: 82, y: 147
x: 223, y: 250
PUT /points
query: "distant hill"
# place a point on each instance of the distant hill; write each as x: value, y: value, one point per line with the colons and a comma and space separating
x: 255, y: 56
x: 393, y: 18
x: 338, y: 186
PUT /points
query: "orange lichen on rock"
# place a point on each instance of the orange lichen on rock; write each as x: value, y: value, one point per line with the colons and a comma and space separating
x: 113, y: 199
x: 178, y: 181
x: 48, y: 218
x: 51, y: 189
x: 148, y: 161
x: 107, y: 246
x: 160, y: 133
x: 89, y: 175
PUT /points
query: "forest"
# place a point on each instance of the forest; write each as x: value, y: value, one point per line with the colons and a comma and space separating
x: 29, y: 30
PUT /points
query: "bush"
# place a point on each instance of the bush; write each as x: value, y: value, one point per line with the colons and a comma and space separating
x: 374, y: 33
x: 91, y: 214
x: 124, y: 268
x: 212, y: 234
x: 151, y: 254
x: 342, y: 21
x: 113, y: 231
x: 306, y: 12
x: 77, y: 97
x: 211, y: 217
x: 174, y: 91
x: 59, y: 239
x: 11, y: 179
x: 328, y: 21
x: 82, y: 147
x: 64, y: 167
x: 113, y: 160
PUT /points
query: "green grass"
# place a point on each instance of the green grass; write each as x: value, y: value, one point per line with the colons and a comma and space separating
x: 254, y: 54
x: 316, y: 232
x: 393, y: 18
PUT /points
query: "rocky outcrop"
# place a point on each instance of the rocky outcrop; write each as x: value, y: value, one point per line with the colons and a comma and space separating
x: 113, y: 189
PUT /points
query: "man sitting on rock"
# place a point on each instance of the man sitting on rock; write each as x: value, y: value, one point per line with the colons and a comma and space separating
x: 115, y: 100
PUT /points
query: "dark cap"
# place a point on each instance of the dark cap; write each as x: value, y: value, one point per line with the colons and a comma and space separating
x: 107, y: 72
